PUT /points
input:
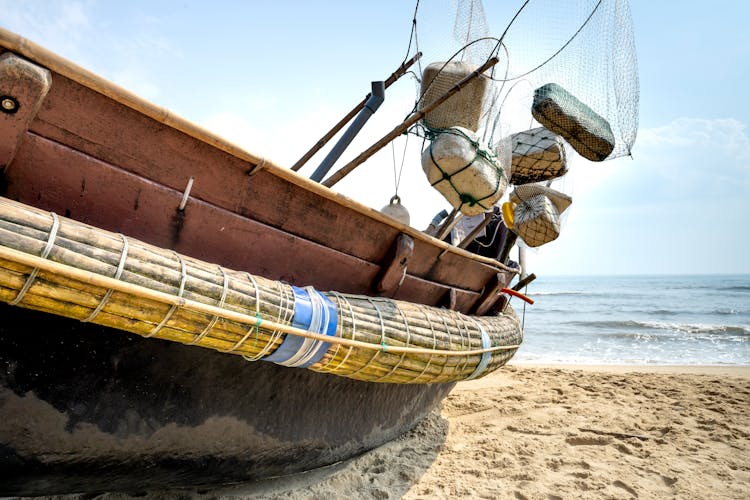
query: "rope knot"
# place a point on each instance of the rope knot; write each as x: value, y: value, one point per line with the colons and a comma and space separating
x: 467, y: 199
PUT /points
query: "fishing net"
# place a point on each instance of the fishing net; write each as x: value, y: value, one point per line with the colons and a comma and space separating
x: 577, y: 57
x: 565, y: 86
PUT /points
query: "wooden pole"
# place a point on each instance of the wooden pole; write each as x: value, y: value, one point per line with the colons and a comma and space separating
x: 404, y: 126
x: 322, y: 142
x: 524, y: 281
x: 480, y: 227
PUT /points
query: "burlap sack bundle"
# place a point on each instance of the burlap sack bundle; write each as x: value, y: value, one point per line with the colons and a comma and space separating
x: 463, y: 109
x: 537, y: 213
x: 464, y: 171
x: 562, y: 113
x: 538, y: 155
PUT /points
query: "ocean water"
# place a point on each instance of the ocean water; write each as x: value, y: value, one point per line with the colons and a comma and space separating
x: 643, y: 320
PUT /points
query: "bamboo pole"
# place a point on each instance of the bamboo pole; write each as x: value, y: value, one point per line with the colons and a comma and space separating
x: 322, y: 142
x: 404, y: 126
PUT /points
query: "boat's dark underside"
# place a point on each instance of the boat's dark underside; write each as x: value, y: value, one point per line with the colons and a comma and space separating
x: 88, y: 409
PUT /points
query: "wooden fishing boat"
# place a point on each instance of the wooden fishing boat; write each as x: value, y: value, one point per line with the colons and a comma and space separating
x: 87, y: 407
x: 179, y: 312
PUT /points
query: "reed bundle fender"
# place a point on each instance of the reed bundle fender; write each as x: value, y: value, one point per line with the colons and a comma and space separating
x: 59, y: 266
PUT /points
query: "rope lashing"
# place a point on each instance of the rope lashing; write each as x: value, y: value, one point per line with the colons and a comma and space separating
x: 118, y: 274
x: 480, y: 152
x: 173, y: 307
x: 44, y: 255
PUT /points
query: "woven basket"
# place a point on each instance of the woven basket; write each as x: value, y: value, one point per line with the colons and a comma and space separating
x: 464, y: 171
x: 562, y: 113
x: 538, y: 155
x: 464, y: 109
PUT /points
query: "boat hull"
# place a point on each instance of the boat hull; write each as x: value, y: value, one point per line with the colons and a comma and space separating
x: 90, y: 409
x: 86, y: 409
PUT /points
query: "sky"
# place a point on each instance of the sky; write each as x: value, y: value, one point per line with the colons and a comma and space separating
x: 273, y: 77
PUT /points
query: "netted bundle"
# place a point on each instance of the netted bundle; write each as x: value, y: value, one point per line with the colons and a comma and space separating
x: 538, y: 155
x: 562, y: 113
x: 463, y: 109
x: 536, y: 215
x: 464, y: 171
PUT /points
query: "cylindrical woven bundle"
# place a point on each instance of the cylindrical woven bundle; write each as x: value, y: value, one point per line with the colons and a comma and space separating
x: 464, y: 109
x: 464, y: 171
x: 237, y: 302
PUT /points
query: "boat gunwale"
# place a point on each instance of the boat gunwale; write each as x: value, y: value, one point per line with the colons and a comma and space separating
x: 58, y: 64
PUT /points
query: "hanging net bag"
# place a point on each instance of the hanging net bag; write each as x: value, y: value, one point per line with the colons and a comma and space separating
x: 466, y: 172
x: 536, y: 215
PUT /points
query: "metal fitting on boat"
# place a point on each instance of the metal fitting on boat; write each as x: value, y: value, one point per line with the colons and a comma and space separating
x: 8, y: 104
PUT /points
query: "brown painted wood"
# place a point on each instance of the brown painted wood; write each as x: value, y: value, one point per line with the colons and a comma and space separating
x: 23, y: 86
x: 98, y: 85
x: 86, y: 120
x: 490, y: 295
x: 395, y: 265
x: 148, y: 211
x: 450, y: 300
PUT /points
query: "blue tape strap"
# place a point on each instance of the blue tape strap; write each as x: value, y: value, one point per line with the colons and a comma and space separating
x: 486, y: 356
x: 313, y: 312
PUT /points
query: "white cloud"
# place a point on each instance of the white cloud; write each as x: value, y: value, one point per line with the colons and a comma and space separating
x: 60, y: 25
x: 719, y: 134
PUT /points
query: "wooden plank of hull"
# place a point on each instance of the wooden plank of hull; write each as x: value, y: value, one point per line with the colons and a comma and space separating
x: 23, y: 86
x: 92, y: 410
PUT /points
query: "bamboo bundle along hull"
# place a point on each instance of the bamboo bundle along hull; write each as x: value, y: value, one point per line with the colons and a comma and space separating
x: 59, y: 266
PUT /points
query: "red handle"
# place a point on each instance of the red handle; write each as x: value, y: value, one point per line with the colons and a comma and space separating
x: 517, y: 294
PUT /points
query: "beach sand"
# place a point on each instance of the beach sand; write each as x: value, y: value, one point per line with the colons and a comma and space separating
x: 546, y: 432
